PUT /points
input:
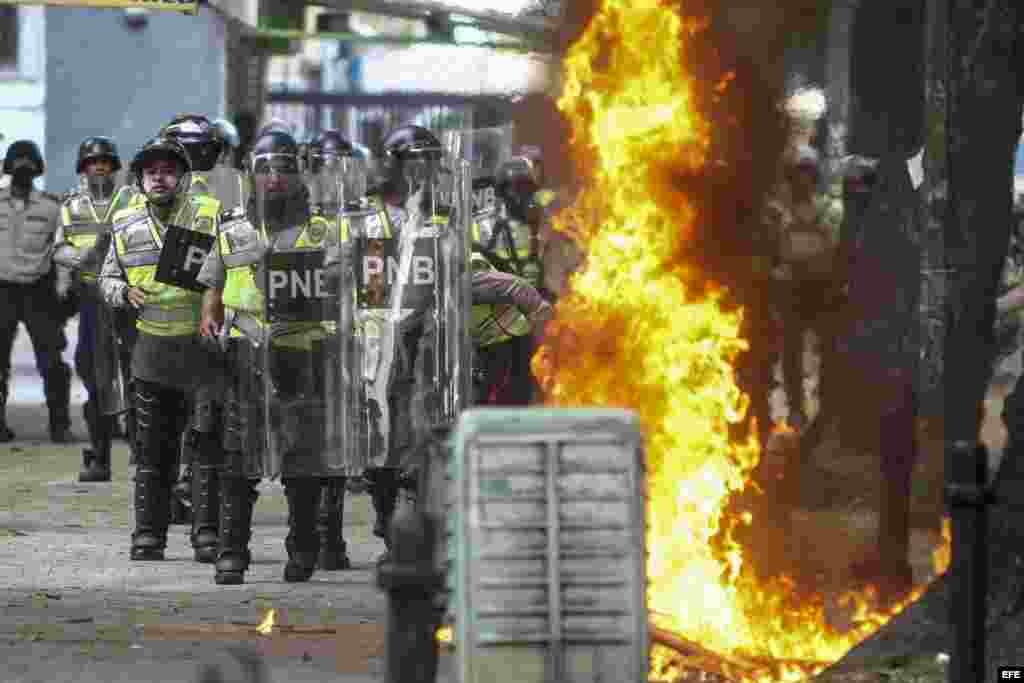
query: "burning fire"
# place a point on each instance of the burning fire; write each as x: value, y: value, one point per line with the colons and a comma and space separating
x: 943, y: 553
x: 646, y: 333
x: 266, y: 626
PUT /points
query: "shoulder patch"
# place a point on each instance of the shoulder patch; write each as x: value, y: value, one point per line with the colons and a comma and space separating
x: 203, y: 224
x: 317, y: 230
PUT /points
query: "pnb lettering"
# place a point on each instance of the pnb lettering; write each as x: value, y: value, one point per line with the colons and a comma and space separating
x: 306, y: 284
x: 423, y: 271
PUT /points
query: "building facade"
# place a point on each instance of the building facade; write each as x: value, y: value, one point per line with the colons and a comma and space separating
x: 23, y: 76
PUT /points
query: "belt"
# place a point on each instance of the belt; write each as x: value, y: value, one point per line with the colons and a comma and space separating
x: 246, y: 323
x: 155, y: 314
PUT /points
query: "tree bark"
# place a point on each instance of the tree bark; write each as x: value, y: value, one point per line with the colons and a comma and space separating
x: 983, y: 127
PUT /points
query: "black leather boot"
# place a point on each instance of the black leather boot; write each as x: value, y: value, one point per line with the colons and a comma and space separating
x: 206, y: 513
x: 302, y: 542
x: 152, y: 512
x: 333, y: 551
x: 235, y: 530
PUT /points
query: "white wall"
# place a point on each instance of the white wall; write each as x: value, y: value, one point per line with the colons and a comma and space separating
x: 23, y: 94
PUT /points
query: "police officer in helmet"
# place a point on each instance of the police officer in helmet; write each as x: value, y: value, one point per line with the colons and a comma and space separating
x: 325, y: 150
x: 408, y: 152
x: 168, y: 360
x: 82, y: 244
x: 277, y: 359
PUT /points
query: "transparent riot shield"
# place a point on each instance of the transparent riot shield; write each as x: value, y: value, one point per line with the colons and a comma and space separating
x: 227, y: 185
x: 431, y: 298
x: 353, y: 215
x: 486, y: 149
x: 111, y: 384
x: 301, y: 370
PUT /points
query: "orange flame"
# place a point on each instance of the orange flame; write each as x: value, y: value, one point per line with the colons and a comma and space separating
x: 639, y: 331
x: 266, y: 626
x: 943, y: 553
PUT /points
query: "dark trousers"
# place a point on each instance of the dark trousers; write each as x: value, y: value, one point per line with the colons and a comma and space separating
x: 100, y: 425
x: 506, y: 367
x: 36, y: 306
x: 161, y: 415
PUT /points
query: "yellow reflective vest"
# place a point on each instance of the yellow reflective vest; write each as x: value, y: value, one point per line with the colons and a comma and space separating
x: 511, y: 246
x: 82, y: 224
x: 494, y: 323
x: 241, y: 247
x: 138, y: 238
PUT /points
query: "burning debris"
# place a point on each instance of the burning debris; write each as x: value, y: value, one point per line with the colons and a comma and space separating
x: 266, y: 626
x: 662, y: 337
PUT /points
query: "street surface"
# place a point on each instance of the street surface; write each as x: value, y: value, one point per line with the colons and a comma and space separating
x: 73, y: 607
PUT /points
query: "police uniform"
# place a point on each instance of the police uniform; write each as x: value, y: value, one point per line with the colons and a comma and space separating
x: 501, y: 333
x: 28, y: 295
x: 198, y: 488
x: 168, y: 359
x: 81, y: 244
x: 234, y: 269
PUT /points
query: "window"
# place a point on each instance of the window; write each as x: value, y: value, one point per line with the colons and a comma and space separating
x: 8, y: 38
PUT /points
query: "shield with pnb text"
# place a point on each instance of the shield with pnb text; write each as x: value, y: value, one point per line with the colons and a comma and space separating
x: 182, y: 256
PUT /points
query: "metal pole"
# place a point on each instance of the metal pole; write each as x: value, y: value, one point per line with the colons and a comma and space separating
x: 412, y: 582
x: 968, y: 499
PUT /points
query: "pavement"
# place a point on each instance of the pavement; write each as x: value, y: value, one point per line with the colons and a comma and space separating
x: 73, y: 607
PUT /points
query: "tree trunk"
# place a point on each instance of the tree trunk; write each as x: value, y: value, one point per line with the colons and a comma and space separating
x: 934, y: 275
x: 983, y: 126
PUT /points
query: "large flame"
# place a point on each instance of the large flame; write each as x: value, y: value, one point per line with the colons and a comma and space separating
x: 640, y: 331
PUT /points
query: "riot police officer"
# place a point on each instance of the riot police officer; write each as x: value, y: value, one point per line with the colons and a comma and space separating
x: 198, y: 488
x: 514, y: 243
x: 156, y: 249
x: 278, y: 335
x: 507, y: 311
x: 28, y: 223
x: 414, y: 146
x: 82, y: 243
x: 422, y: 203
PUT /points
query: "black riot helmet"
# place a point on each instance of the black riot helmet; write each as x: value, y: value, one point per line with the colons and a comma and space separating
x: 163, y: 148
x: 402, y: 145
x: 27, y: 150
x: 272, y: 142
x: 408, y: 142
x: 276, y: 154
x: 516, y: 178
x: 516, y: 184
x: 98, y: 147
x: 329, y: 143
x: 199, y: 138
